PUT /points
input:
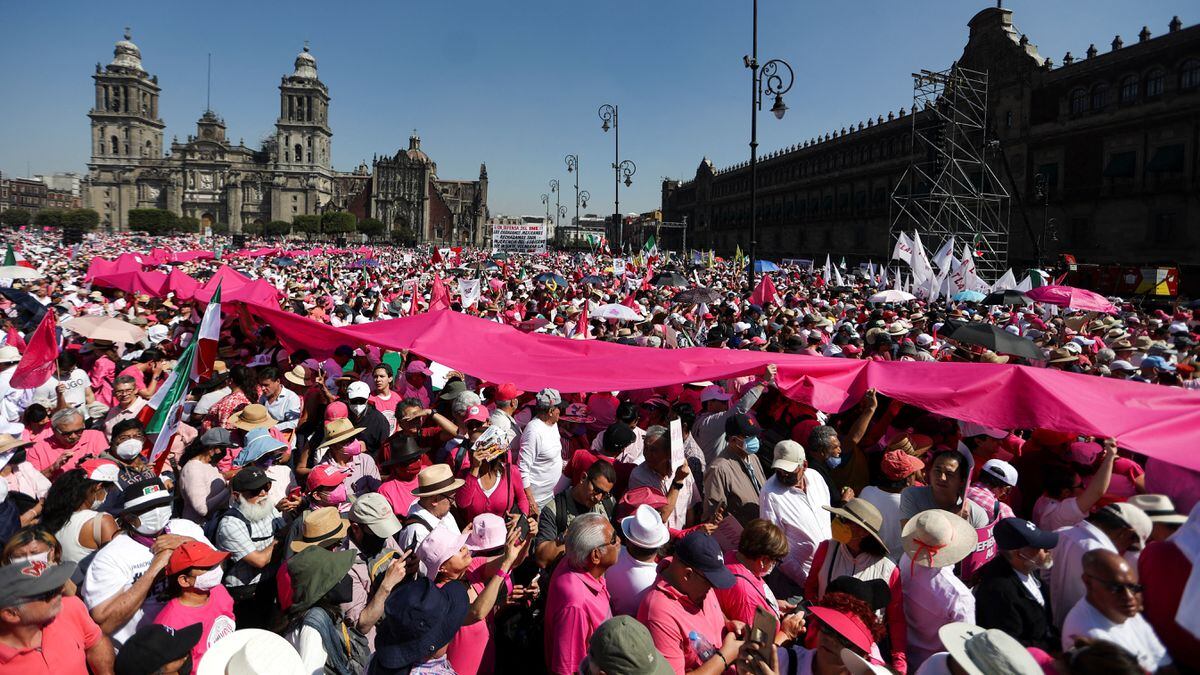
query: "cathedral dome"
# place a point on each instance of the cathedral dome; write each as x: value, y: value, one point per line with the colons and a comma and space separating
x: 414, y: 151
x: 306, y: 65
x: 126, y: 54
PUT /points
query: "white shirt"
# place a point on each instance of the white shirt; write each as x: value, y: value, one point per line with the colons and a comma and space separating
x: 1066, y: 577
x: 75, y: 395
x: 13, y: 403
x: 210, y: 399
x: 628, y: 580
x: 1053, y: 514
x: 644, y: 476
x: 799, y: 514
x: 119, y: 564
x: 888, y: 504
x: 502, y: 420
x: 1134, y: 635
x: 412, y: 535
x: 285, y: 409
x: 932, y: 599
x: 541, y: 460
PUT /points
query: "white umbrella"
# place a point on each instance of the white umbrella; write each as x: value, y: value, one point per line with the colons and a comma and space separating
x: 18, y: 272
x: 616, y: 311
x: 891, y: 295
x: 105, y: 328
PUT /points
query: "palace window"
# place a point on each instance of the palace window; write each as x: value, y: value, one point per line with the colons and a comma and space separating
x: 1129, y: 89
x: 1099, y: 96
x: 1189, y: 78
x: 1079, y: 101
x: 1154, y: 83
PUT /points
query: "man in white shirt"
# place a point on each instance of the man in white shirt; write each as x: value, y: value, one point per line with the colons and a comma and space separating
x: 794, y: 498
x: 13, y: 402
x: 656, y: 472
x: 540, y: 459
x: 282, y: 403
x: 637, y: 564
x: 504, y: 397
x: 436, y: 486
x: 1111, y: 611
x: 1118, y: 528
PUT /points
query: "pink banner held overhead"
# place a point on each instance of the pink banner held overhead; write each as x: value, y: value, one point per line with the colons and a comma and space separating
x: 1162, y: 422
x: 1075, y: 298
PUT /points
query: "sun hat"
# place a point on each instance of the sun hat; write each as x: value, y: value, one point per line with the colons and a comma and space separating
x: 849, y: 626
x: 299, y: 376
x: 985, y: 652
x: 1014, y: 533
x: 9, y: 354
x: 645, y: 528
x: 20, y: 581
x: 635, y: 497
x: 252, y: 416
x: 898, y: 464
x: 373, y: 511
x: 319, y: 526
x: 864, y: 514
x: 937, y: 538
x: 577, y: 412
x: 1001, y: 470
x: 1062, y: 355
x: 315, y: 571
x: 452, y: 389
x: 258, y: 443
x: 250, y: 651
x: 488, y: 536
x: 194, y: 554
x: 99, y: 470
x: 623, y: 645
x: 419, y: 619
x: 714, y: 393
x: 789, y: 455
x: 857, y: 665
x: 154, y: 646
x: 702, y: 553
x: 1135, y: 518
x: 144, y: 495
x: 436, y: 479
x: 617, y: 436
x: 441, y: 544
x: 339, y: 430
x: 1159, y: 508
x: 326, y: 476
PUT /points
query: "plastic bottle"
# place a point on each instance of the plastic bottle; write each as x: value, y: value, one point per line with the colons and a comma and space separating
x: 703, y: 648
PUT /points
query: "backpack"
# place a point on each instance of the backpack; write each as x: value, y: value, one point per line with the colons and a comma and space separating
x: 214, y: 523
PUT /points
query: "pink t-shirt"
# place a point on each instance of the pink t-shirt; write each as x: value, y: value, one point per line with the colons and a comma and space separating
x: 216, y: 615
x: 139, y: 377
x: 670, y: 616
x: 399, y: 493
x: 387, y: 406
x: 576, y: 604
x: 472, y: 650
x: 747, y: 594
x: 44, y: 453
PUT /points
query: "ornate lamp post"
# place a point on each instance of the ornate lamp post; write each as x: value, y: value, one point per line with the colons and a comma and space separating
x: 546, y: 201
x: 773, y: 78
x: 626, y: 168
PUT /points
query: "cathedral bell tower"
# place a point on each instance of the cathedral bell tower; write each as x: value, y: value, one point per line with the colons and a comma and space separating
x: 125, y: 122
x: 302, y: 142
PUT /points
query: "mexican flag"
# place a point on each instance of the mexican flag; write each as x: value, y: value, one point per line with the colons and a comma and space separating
x: 651, y: 246
x: 206, y: 339
x: 163, y: 413
x: 14, y: 259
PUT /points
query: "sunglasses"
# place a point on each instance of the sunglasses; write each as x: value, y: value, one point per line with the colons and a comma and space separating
x: 598, y: 491
x: 45, y: 597
x: 257, y: 491
x: 1117, y: 588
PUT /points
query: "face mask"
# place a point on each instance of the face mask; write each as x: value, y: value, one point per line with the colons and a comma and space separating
x: 789, y: 479
x: 406, y: 472
x: 833, y: 462
x: 353, y: 448
x: 35, y: 557
x: 1040, y: 564
x: 209, y: 580
x: 129, y: 448
x: 3, y: 490
x: 357, y: 408
x: 750, y: 445
x: 153, y: 521
x: 841, y: 532
x: 336, y: 497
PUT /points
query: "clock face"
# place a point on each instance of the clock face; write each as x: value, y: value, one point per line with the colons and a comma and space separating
x: 207, y: 133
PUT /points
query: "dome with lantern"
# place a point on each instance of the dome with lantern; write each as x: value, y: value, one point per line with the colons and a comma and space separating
x: 306, y: 65
x: 126, y: 54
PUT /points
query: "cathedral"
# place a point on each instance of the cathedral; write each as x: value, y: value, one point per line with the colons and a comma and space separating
x: 210, y: 178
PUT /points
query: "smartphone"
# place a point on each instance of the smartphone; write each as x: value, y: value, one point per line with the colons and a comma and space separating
x: 294, y: 493
x: 761, y: 636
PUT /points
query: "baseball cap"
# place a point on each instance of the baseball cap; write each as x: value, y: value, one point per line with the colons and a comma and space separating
x: 789, y: 455
x: 31, y: 578
x: 742, y: 425
x: 144, y: 495
x: 1121, y: 365
x: 373, y: 510
x: 101, y: 470
x: 549, y: 397
x: 325, y: 475
x: 217, y: 438
x: 1001, y: 471
x: 154, y: 646
x: 1015, y: 533
x: 713, y: 393
x: 623, y: 645
x: 1084, y: 452
x: 418, y: 367
x: 194, y: 554
x: 703, y: 554
x: 1157, y: 363
x: 897, y: 464
x: 358, y: 389
x: 250, y: 478
x: 476, y: 413
x: 506, y: 392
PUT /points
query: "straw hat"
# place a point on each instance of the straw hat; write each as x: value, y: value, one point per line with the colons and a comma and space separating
x: 937, y: 538
x: 299, y: 376
x: 989, y: 356
x: 338, y: 430
x: 253, y: 416
x: 436, y: 479
x: 320, y: 525
x: 864, y: 514
x: 1062, y: 355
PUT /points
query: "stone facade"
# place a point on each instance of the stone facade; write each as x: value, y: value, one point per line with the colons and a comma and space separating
x: 1115, y: 134
x: 216, y: 181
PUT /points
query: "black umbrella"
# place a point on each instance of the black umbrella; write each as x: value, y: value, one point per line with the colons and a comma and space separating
x: 669, y: 279
x: 29, y: 310
x: 997, y: 339
x: 696, y: 296
x: 594, y: 280
x: 551, y: 278
x: 1009, y: 297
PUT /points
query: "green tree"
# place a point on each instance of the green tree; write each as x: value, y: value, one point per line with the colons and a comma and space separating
x: 307, y: 224
x: 220, y: 228
x: 253, y: 229
x: 404, y: 236
x: 338, y: 222
x: 84, y: 219
x: 277, y: 228
x: 151, y: 221
x: 371, y: 227
x: 188, y: 224
x: 50, y: 218
x: 15, y: 218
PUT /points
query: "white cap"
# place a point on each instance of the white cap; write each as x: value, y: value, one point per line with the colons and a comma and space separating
x: 741, y: 327
x: 1002, y: 471
x: 924, y: 339
x: 1013, y: 329
x: 358, y: 389
x: 714, y: 393
x: 970, y: 429
x: 157, y: 333
x: 789, y: 455
x: 1122, y: 365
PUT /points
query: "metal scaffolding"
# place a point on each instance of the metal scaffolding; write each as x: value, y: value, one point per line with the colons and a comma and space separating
x: 949, y: 190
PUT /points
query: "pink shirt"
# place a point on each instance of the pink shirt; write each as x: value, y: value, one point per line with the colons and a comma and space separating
x: 508, y: 492
x: 576, y: 604
x: 216, y: 615
x: 44, y: 453
x: 102, y: 374
x: 399, y: 493
x: 747, y: 594
x: 472, y: 651
x: 670, y: 616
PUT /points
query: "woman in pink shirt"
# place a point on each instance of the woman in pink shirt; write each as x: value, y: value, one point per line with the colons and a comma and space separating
x: 194, y: 583
x: 760, y: 549
x: 493, y: 485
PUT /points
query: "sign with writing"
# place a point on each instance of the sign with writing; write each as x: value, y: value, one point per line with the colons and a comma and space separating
x: 519, y: 237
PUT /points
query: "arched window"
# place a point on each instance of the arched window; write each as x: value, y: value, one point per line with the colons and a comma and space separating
x: 116, y: 145
x: 1189, y: 76
x: 299, y: 150
x: 1079, y: 101
x: 1099, y: 96
x: 1154, y: 83
x: 1129, y: 89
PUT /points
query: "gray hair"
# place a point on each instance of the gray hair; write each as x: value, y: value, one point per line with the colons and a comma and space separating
x: 584, y: 535
x: 1105, y: 356
x: 653, y: 433
x: 463, y: 401
x: 60, y: 418
x: 820, y: 439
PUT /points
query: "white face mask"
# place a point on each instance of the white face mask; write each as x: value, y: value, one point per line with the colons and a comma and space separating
x: 210, y: 579
x: 40, y: 557
x: 128, y: 449
x: 357, y: 408
x: 153, y: 521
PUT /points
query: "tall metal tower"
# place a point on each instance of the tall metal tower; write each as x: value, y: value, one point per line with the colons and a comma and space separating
x: 949, y: 189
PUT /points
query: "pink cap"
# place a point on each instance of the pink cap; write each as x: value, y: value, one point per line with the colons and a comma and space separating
x: 488, y: 532
x: 713, y: 393
x: 476, y: 413
x: 336, y: 410
x: 439, y: 546
x: 1082, y: 452
x: 418, y: 367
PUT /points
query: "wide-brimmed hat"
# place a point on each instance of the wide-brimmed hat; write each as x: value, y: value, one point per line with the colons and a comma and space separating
x: 154, y: 646
x: 489, y: 534
x: 250, y: 651
x: 320, y: 525
x: 252, y: 416
x: 645, y: 528
x: 441, y: 544
x: 986, y: 652
x: 9, y: 354
x: 1160, y: 508
x: 402, y: 449
x: 338, y: 430
x: 419, y: 618
x: 864, y: 514
x: 937, y: 538
x: 300, y: 376
x: 315, y: 571
x: 1062, y: 355
x: 857, y: 665
x: 436, y: 479
x: 9, y: 442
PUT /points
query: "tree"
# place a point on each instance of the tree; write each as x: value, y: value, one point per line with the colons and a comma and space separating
x: 404, y: 236
x: 188, y: 224
x: 252, y: 228
x: 220, y: 228
x: 308, y: 224
x: 338, y: 222
x: 15, y: 218
x: 277, y: 228
x: 83, y: 219
x: 50, y: 218
x: 371, y: 227
x: 152, y: 221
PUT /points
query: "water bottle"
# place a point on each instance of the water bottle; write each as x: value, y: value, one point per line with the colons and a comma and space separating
x: 703, y: 648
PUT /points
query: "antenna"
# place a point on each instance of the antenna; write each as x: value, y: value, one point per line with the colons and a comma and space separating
x: 208, y: 90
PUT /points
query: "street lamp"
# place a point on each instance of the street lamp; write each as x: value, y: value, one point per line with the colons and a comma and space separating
x: 626, y: 168
x: 546, y: 201
x: 557, y: 205
x: 774, y: 78
x: 572, y: 162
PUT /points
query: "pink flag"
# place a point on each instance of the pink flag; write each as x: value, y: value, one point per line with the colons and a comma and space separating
x: 584, y: 326
x: 764, y: 293
x: 15, y: 339
x: 37, y: 363
x: 439, y: 297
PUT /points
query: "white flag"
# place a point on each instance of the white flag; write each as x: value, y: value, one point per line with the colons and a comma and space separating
x: 944, y: 254
x: 828, y: 269
x: 1006, y: 282
x: 1025, y: 285
x: 903, y: 250
x: 883, y: 277
x: 837, y: 277
x: 468, y: 289
x: 919, y: 262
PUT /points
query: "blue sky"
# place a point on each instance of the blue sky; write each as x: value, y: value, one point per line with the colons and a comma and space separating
x: 514, y: 84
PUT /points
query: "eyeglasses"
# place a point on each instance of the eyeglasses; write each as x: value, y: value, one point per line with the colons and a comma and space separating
x: 599, y: 491
x: 71, y: 432
x: 1116, y: 587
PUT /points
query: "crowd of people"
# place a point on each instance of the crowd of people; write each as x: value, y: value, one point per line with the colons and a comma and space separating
x: 374, y: 511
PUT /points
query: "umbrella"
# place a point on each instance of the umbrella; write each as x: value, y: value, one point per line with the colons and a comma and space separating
x: 18, y: 272
x: 761, y: 266
x: 891, y: 295
x: 696, y: 296
x: 284, y: 261
x: 105, y: 328
x: 595, y: 280
x: 490, y: 265
x: 996, y: 339
x: 616, y: 311
x: 363, y: 262
x: 29, y: 310
x: 1008, y: 297
x: 1075, y: 298
x: 551, y: 278
x: 499, y: 255
x: 968, y: 296
x: 669, y: 279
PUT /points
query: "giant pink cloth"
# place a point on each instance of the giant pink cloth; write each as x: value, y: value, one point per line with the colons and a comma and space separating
x: 150, y: 283
x: 1158, y: 421
x: 1069, y: 296
x: 126, y: 262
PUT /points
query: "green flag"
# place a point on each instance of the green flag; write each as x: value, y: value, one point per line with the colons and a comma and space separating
x: 167, y: 403
x: 10, y: 257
